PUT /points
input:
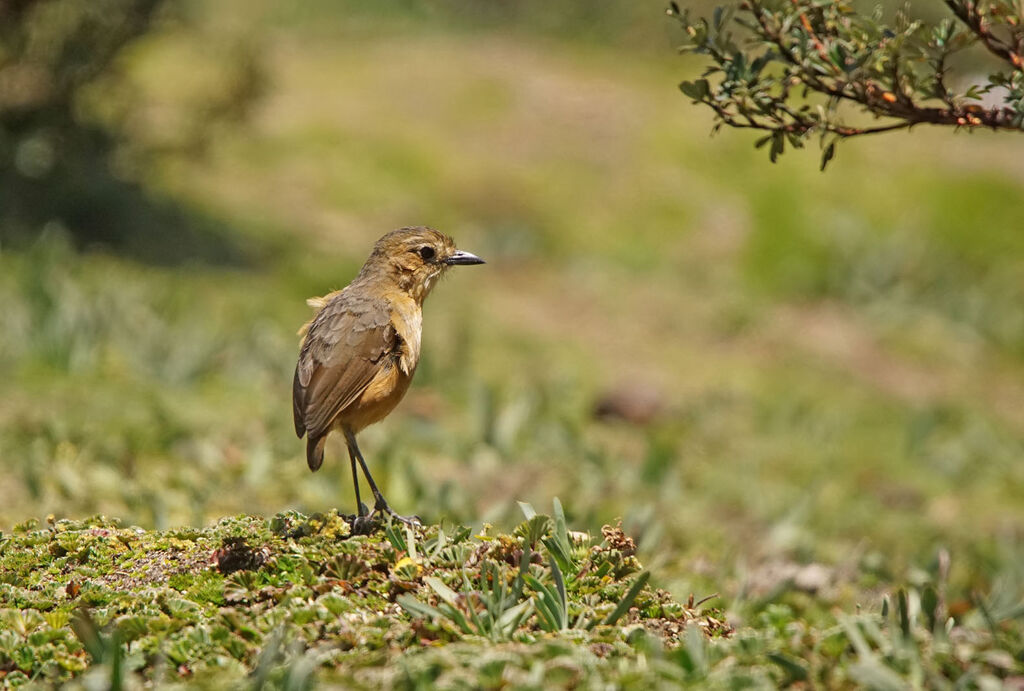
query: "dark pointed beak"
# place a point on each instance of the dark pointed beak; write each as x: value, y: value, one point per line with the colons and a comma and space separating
x: 461, y: 257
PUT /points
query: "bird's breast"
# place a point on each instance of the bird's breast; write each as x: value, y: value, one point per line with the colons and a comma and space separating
x: 407, y: 319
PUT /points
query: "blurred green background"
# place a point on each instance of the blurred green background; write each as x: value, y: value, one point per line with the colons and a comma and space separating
x: 761, y: 368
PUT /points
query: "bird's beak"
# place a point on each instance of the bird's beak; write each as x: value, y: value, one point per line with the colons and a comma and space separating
x: 461, y: 257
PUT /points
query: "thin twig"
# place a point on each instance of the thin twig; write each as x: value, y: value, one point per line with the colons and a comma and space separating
x: 966, y: 13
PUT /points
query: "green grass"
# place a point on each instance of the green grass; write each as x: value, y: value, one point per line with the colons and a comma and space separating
x: 839, y: 358
x: 281, y: 599
x: 294, y: 599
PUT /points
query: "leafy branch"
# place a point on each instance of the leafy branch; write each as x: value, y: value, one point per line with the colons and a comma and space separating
x: 795, y: 69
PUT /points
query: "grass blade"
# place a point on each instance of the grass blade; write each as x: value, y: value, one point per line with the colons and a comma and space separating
x: 561, y: 527
x: 419, y: 609
x: 395, y: 538
x: 443, y: 591
x: 563, y: 601
x: 513, y: 617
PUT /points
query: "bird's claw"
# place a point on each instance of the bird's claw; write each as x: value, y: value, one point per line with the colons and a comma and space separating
x: 411, y: 521
x: 367, y: 522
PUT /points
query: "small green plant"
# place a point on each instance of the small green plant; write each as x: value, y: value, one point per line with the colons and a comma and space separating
x: 557, y: 543
x: 493, y: 609
x: 552, y: 603
x: 347, y: 567
x: 490, y: 608
x: 533, y: 530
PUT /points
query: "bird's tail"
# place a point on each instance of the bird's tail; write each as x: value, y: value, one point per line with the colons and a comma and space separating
x: 315, y: 451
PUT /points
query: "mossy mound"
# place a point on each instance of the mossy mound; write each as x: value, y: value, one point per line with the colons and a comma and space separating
x: 299, y: 598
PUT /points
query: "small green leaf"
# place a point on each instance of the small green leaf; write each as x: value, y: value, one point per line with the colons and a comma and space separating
x: 512, y: 617
x: 930, y: 606
x: 395, y: 538
x: 561, y: 526
x: 560, y: 585
x: 418, y: 609
x: 778, y: 145
x: 690, y: 89
x: 527, y: 510
x: 794, y: 669
x: 901, y: 599
x: 443, y: 591
x: 827, y: 155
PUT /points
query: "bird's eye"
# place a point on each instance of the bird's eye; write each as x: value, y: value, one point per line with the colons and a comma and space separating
x: 426, y: 252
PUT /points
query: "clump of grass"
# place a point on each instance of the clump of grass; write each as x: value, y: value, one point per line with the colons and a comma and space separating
x: 498, y: 604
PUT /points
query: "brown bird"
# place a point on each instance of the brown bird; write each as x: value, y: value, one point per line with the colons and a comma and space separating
x: 361, y: 349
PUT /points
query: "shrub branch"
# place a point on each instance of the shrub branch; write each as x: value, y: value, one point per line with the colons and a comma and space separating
x: 800, y: 68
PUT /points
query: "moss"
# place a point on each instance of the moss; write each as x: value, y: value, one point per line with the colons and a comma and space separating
x: 80, y: 594
x: 408, y: 609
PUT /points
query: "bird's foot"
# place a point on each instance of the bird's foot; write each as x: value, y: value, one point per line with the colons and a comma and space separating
x: 383, y: 508
x: 364, y: 525
x: 367, y: 522
x: 363, y: 522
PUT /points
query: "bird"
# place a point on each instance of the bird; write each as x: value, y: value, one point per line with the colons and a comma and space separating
x: 360, y: 351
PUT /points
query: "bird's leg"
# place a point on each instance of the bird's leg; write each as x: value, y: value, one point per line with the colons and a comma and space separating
x: 361, y: 509
x: 380, y: 504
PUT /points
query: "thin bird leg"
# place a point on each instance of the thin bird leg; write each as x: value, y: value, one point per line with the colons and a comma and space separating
x: 361, y: 509
x: 380, y: 504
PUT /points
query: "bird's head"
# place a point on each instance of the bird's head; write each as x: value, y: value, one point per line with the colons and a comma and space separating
x: 414, y: 258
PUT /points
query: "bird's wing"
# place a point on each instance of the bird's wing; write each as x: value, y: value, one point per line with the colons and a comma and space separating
x: 317, y: 303
x: 345, y: 347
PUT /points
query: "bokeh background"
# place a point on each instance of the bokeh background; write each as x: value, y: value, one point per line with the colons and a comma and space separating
x: 785, y: 382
